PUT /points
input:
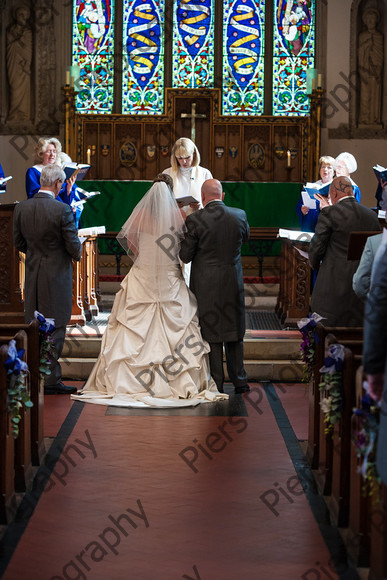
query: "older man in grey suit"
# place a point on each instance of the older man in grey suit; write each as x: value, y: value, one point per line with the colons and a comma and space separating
x: 333, y: 296
x: 375, y: 351
x: 45, y: 231
x: 213, y: 242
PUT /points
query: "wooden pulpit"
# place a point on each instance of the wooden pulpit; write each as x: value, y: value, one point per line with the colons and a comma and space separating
x: 12, y: 265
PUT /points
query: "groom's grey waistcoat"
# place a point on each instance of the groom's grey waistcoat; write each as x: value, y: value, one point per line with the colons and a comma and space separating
x: 213, y: 242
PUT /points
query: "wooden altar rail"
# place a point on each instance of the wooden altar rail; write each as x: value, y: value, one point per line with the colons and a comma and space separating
x: 86, y: 294
x: 295, y: 275
x: 261, y: 242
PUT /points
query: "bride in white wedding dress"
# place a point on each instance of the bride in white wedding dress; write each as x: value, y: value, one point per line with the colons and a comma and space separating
x: 152, y: 352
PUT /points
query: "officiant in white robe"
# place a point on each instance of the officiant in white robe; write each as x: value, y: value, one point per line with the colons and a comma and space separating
x: 188, y: 178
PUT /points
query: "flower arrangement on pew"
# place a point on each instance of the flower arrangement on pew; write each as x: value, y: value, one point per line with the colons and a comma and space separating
x: 47, y: 346
x: 306, y: 327
x: 332, y: 385
x: 365, y: 422
x: 18, y: 395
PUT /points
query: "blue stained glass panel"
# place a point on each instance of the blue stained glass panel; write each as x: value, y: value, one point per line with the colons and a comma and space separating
x: 93, y: 53
x: 243, y: 57
x: 143, y: 59
x: 293, y: 55
x: 193, y: 44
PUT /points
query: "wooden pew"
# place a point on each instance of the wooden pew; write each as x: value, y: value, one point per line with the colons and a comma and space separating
x: 7, y: 470
x: 342, y: 334
x: 367, y: 531
x: 22, y: 458
x: 341, y: 442
x: 36, y: 385
x: 378, y: 536
x: 330, y: 444
x: 358, y: 537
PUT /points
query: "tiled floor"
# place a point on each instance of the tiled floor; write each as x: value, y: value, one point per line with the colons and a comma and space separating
x: 165, y: 497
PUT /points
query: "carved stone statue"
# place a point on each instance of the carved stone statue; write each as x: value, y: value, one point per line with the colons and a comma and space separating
x: 46, y: 70
x: 370, y: 68
x: 19, y: 58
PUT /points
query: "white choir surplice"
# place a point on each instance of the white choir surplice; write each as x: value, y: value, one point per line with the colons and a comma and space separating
x: 189, y: 181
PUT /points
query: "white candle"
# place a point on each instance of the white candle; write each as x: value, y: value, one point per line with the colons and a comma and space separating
x: 88, y: 154
x: 313, y: 84
x: 72, y: 82
x: 67, y: 77
x: 319, y: 79
x: 289, y: 158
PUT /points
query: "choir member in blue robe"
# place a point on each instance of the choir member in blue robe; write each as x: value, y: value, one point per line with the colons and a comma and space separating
x: 49, y: 151
x: 308, y: 217
x: 345, y: 164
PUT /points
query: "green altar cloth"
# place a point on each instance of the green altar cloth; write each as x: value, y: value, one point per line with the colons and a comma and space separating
x: 266, y: 204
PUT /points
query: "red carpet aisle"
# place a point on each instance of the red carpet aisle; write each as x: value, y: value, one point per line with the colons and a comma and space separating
x: 145, y: 497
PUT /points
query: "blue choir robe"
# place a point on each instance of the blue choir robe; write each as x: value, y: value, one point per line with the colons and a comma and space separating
x: 33, y: 186
x: 4, y: 186
x: 356, y: 191
x: 308, y: 222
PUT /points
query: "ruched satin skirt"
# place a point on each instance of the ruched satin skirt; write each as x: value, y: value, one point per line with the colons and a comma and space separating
x: 152, y: 351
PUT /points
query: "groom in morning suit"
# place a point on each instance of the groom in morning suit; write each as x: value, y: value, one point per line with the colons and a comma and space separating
x: 213, y: 242
x: 45, y: 231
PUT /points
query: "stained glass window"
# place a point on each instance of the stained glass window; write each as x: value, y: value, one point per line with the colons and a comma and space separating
x: 93, y: 50
x: 143, y: 59
x: 293, y: 55
x: 243, y: 57
x: 193, y: 44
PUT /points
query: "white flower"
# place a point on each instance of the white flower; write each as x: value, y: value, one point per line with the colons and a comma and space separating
x: 326, y: 404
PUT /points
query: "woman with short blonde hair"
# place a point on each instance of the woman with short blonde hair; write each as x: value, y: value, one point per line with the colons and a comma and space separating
x: 188, y: 178
x: 308, y: 217
x: 187, y: 174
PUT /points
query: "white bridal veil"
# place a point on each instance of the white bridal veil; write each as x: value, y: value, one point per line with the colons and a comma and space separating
x: 156, y: 217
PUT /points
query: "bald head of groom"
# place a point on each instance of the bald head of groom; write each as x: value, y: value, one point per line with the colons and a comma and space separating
x: 211, y: 190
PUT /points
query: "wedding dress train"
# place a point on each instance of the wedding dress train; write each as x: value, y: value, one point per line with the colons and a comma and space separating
x: 152, y: 352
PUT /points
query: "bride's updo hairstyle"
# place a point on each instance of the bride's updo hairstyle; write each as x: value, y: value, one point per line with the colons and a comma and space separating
x: 184, y: 147
x: 165, y: 178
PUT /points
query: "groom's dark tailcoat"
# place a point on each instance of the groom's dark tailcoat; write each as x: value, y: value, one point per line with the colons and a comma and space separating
x: 213, y: 242
x: 45, y: 231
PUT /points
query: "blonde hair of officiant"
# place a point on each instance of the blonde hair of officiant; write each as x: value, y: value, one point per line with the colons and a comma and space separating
x: 184, y: 147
